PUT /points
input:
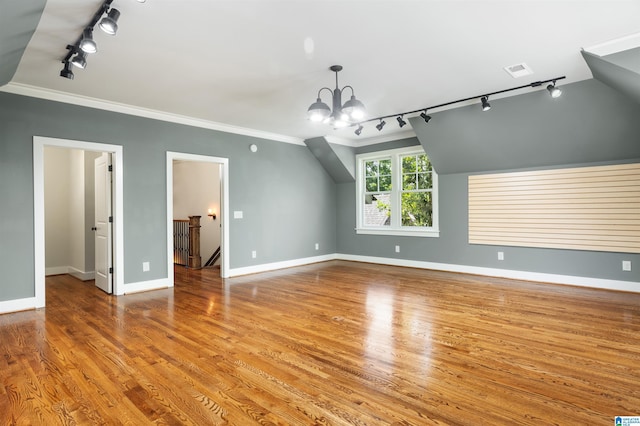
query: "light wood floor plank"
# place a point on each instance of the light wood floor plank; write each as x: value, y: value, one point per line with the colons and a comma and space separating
x: 336, y: 343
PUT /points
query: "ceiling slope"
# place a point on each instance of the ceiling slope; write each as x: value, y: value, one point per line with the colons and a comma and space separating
x: 18, y: 22
x: 590, y: 123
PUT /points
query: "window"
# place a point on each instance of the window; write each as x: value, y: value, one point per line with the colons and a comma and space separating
x: 397, y: 193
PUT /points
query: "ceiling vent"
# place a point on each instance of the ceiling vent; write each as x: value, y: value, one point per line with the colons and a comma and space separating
x: 518, y: 70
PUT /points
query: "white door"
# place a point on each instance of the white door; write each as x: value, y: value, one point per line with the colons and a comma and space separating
x: 103, y: 225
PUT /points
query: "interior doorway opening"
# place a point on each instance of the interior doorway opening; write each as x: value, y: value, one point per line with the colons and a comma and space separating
x: 40, y: 144
x: 197, y: 185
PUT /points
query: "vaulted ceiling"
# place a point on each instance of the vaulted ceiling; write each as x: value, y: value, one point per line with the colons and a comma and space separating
x: 258, y: 64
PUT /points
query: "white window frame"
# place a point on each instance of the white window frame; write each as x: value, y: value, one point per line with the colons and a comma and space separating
x: 396, y: 227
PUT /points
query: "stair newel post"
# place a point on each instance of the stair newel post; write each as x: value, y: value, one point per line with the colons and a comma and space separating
x: 194, y: 242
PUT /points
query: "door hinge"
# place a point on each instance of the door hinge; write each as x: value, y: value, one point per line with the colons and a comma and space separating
x: 110, y: 219
x: 111, y: 270
x: 110, y: 168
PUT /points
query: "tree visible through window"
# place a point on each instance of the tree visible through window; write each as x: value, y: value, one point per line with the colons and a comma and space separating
x: 417, y: 184
x: 397, y: 193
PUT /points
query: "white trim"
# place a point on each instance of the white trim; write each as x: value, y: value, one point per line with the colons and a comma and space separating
x: 224, y: 207
x: 39, y: 142
x: 602, y: 283
x: 417, y: 232
x: 82, y: 275
x: 148, y: 285
x: 57, y: 96
x: 354, y: 143
x: 16, y: 305
x: 59, y: 270
x: 56, y: 270
x: 620, y: 44
x: 265, y: 267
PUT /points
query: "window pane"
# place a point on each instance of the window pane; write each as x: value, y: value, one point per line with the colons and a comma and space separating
x: 424, y: 165
x: 425, y: 181
x: 409, y: 164
x: 371, y: 168
x: 409, y: 182
x: 385, y: 167
x: 385, y: 183
x: 417, y: 209
x: 377, y: 211
x: 371, y: 184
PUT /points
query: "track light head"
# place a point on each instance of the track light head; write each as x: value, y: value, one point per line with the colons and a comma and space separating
x: 66, y: 71
x: 380, y: 125
x: 425, y: 117
x: 109, y: 24
x: 318, y: 111
x: 554, y: 91
x: 486, y: 106
x: 80, y: 59
x: 359, y: 130
x: 87, y: 44
x: 401, y: 121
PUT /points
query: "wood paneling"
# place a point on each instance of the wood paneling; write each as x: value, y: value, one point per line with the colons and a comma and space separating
x: 337, y: 343
x: 585, y: 208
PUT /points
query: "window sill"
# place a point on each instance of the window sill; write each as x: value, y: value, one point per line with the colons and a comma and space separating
x: 399, y: 232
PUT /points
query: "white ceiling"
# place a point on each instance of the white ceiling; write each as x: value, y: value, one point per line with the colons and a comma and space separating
x: 258, y: 64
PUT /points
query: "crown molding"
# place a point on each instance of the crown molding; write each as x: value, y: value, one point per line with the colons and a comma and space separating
x: 372, y: 140
x: 620, y: 44
x: 85, y: 101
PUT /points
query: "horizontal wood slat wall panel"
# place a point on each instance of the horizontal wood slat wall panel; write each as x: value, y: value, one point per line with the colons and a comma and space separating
x: 585, y: 208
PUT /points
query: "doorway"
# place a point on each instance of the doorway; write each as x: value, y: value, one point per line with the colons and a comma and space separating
x: 39, y: 144
x: 220, y: 212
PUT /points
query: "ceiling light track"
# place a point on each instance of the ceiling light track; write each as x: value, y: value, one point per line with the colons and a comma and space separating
x: 484, y: 99
x: 77, y: 55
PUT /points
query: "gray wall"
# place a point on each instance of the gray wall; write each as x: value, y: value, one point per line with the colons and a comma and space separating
x: 285, y: 194
x: 457, y: 145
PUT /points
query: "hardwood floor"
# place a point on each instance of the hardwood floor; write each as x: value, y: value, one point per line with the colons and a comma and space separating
x: 332, y: 343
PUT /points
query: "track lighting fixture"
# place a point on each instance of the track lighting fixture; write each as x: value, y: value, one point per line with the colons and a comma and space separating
x: 87, y: 44
x: 486, y: 106
x: 554, y: 91
x: 66, y: 71
x: 109, y: 23
x: 340, y: 115
x: 359, y: 130
x: 484, y: 99
x: 80, y: 59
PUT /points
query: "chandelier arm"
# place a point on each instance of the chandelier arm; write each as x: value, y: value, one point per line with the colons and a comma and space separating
x: 345, y: 87
x: 325, y: 88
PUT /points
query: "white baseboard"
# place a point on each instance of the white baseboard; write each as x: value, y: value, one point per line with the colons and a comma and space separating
x: 502, y: 273
x: 30, y: 303
x: 265, y: 267
x: 148, y: 285
x: 82, y: 275
x: 17, y: 305
x: 56, y: 270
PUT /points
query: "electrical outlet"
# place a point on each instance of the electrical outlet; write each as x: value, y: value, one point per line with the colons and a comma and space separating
x: 145, y: 267
x: 237, y: 214
x: 397, y: 249
x: 253, y: 254
x: 317, y: 246
x: 500, y: 255
x: 626, y: 265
